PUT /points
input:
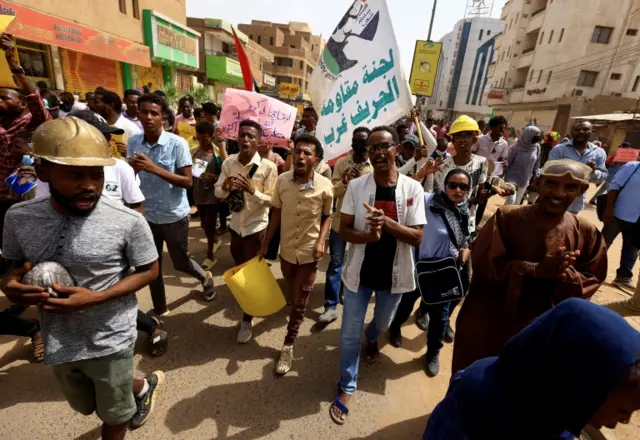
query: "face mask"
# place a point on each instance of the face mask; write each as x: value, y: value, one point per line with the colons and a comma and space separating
x: 440, y: 153
x: 359, y: 146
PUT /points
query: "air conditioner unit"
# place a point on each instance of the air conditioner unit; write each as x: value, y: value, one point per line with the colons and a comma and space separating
x: 616, y: 94
x: 577, y: 92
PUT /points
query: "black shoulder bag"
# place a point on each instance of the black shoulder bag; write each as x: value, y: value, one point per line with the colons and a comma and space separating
x: 235, y: 199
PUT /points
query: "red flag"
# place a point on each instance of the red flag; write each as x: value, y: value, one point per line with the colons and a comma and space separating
x: 247, y: 76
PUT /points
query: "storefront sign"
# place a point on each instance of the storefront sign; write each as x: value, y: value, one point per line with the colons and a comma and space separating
x: 171, y: 42
x: 425, y: 67
x: 46, y: 29
x: 289, y: 90
x: 224, y: 69
x: 269, y: 80
x: 536, y: 91
x: 496, y: 94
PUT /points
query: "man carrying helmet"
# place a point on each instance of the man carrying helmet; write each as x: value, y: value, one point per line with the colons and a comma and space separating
x: 89, y: 329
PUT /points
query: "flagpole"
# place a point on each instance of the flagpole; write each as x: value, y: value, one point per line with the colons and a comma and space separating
x: 433, y: 15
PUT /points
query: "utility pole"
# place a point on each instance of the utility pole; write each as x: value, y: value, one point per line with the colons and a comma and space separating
x: 433, y: 15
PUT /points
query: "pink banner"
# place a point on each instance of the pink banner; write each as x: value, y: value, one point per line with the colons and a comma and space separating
x: 626, y: 155
x: 276, y: 117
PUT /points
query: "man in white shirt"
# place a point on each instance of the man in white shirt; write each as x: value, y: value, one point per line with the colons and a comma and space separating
x: 109, y: 105
x: 382, y: 220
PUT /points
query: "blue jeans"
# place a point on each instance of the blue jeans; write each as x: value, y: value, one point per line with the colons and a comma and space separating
x: 333, y: 284
x: 629, y: 253
x: 353, y: 315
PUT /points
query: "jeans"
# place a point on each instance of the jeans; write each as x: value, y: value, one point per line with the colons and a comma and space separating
x: 629, y: 253
x: 438, y: 319
x: 333, y: 283
x: 12, y: 324
x: 176, y: 237
x: 353, y: 315
x: 144, y: 323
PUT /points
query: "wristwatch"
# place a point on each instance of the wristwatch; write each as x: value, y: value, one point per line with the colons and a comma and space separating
x: 18, y: 70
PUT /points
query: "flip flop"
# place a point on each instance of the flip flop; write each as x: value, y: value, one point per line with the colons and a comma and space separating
x: 159, y: 343
x: 342, y: 407
x: 208, y: 264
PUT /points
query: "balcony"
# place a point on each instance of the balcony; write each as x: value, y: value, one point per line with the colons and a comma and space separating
x: 285, y: 71
x: 525, y: 60
x: 224, y: 68
x: 217, y: 53
x: 535, y: 22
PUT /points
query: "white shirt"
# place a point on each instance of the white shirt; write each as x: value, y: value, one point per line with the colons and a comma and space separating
x: 129, y: 127
x: 120, y: 184
x: 410, y: 208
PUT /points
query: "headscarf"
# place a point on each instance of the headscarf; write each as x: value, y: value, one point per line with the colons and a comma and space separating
x: 550, y: 378
x: 525, y: 141
x: 455, y: 217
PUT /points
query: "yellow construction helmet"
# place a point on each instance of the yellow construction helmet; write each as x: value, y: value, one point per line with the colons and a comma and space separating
x: 464, y: 123
x: 71, y: 141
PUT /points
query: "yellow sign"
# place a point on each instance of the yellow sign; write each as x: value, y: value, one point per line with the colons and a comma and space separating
x: 255, y: 288
x: 289, y: 90
x: 425, y: 67
x: 5, y: 21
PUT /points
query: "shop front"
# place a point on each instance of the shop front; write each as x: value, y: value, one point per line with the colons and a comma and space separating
x: 67, y: 55
x: 225, y: 72
x: 174, y: 51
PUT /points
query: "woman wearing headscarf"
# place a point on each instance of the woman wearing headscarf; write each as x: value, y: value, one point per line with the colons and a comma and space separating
x: 577, y: 364
x: 523, y: 163
x: 446, y: 237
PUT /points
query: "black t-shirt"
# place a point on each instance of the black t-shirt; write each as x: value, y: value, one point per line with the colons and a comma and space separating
x: 377, y: 268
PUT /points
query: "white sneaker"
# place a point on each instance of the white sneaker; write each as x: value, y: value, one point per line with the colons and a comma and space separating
x: 286, y: 359
x: 244, y: 335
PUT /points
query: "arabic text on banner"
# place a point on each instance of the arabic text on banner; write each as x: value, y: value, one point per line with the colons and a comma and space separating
x: 358, y: 80
x: 276, y: 117
x: 424, y: 67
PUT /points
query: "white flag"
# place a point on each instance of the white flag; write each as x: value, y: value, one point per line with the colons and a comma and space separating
x: 358, y: 80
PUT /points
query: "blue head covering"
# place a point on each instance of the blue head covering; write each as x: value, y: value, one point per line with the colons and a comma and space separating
x: 551, y: 377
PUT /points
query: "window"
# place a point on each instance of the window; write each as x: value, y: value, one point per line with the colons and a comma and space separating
x: 251, y: 37
x: 509, y: 52
x: 481, y: 33
x: 636, y: 83
x: 510, y: 23
x: 616, y: 76
x: 259, y: 39
x: 561, y: 35
x: 541, y: 37
x: 123, y: 6
x: 549, y: 76
x: 302, y: 64
x: 33, y: 58
x: 601, y: 35
x: 293, y: 46
x: 312, y: 47
x: 539, y: 76
x: 632, y: 32
x: 270, y: 41
x: 135, y: 5
x: 283, y: 62
x: 587, y: 78
x: 550, y: 37
x: 226, y: 48
x: 488, y: 32
x: 531, y: 74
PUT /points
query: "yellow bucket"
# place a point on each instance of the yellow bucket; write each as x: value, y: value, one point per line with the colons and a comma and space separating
x: 255, y: 288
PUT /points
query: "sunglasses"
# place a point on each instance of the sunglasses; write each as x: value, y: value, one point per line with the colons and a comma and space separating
x: 384, y: 146
x: 455, y: 185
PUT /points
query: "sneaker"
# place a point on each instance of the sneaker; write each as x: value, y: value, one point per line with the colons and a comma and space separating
x: 433, y: 365
x: 422, y: 322
x: 449, y: 335
x: 244, y: 335
x: 395, y: 336
x: 328, y: 316
x: 209, y: 289
x: 626, y: 283
x: 286, y: 359
x: 146, y: 403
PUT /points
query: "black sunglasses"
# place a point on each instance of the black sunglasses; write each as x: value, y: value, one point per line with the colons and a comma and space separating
x: 384, y: 146
x: 455, y: 185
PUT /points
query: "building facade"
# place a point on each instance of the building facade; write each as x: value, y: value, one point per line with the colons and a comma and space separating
x: 78, y: 45
x: 467, y: 53
x: 219, y: 66
x: 295, y: 49
x: 560, y: 59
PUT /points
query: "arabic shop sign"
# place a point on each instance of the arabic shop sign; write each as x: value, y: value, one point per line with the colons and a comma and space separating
x: 289, y: 90
x: 536, y: 91
x: 47, y: 29
x: 276, y: 117
x: 367, y: 90
x: 496, y: 94
x: 171, y: 42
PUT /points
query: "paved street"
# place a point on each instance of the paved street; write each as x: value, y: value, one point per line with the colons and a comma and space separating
x: 217, y: 389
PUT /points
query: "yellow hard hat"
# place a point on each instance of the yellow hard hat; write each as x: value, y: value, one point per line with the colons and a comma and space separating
x: 71, y: 141
x: 464, y: 123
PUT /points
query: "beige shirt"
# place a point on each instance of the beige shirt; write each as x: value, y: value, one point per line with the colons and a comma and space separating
x: 254, y: 217
x: 302, y: 209
x: 323, y: 169
x: 339, y: 188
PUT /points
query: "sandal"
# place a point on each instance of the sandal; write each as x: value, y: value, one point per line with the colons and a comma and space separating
x: 208, y: 264
x: 38, y: 347
x: 342, y: 407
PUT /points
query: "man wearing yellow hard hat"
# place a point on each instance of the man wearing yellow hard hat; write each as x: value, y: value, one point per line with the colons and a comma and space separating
x: 89, y: 328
